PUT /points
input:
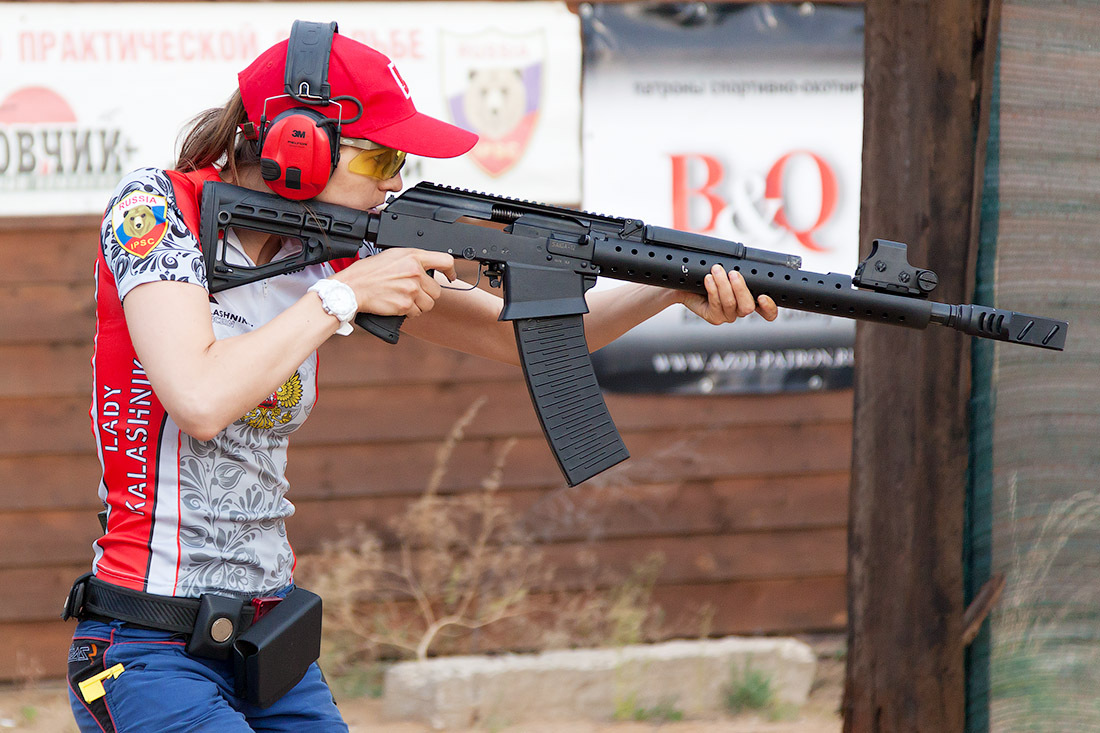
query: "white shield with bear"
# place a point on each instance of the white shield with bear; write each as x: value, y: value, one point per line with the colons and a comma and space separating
x: 493, y: 84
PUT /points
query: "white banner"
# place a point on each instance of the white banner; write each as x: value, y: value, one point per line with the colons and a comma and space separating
x: 740, y: 122
x: 90, y: 91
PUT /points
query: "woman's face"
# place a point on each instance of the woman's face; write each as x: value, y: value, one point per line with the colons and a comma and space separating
x: 356, y: 191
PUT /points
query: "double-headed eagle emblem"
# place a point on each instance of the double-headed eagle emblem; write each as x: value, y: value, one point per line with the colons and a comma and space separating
x: 275, y: 410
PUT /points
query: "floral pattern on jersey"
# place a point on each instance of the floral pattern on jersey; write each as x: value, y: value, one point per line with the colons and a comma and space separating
x: 176, y: 255
x: 232, y: 493
x: 234, y: 538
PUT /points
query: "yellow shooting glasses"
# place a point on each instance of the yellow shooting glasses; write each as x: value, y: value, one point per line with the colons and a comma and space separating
x: 376, y: 161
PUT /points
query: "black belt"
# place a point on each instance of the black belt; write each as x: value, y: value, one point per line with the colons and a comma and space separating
x: 92, y: 598
x: 166, y: 613
x: 268, y: 658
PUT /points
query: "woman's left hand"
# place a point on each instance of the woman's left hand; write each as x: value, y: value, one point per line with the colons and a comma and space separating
x: 728, y: 298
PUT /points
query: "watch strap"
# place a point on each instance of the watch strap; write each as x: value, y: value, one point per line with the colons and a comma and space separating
x: 331, y: 292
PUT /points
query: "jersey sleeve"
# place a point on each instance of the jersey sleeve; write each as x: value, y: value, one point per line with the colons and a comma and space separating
x: 143, y: 236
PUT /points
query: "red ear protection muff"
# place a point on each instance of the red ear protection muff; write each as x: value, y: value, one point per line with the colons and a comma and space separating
x: 299, y: 151
x: 300, y: 148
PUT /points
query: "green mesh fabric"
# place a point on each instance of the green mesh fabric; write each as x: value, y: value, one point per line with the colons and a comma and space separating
x: 1036, y: 439
x: 978, y: 538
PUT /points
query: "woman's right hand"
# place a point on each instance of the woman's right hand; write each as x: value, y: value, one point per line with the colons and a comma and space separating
x: 396, y: 281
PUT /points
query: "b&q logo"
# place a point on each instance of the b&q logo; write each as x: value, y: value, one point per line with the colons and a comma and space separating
x: 758, y: 210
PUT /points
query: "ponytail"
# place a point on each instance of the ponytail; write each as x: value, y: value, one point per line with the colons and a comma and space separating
x: 215, y: 138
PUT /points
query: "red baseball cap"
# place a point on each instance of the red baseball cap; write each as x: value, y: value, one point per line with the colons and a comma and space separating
x: 389, y: 117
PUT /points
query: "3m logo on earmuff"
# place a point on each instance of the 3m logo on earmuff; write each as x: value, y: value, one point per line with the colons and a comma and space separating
x: 298, y: 151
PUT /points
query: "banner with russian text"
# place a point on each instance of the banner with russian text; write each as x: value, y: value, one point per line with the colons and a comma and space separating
x: 738, y: 121
x: 93, y: 90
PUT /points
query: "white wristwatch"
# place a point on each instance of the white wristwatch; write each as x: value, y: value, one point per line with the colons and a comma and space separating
x: 338, y: 299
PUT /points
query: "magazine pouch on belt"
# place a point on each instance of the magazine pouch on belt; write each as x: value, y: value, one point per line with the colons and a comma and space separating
x: 215, y: 624
x: 272, y: 656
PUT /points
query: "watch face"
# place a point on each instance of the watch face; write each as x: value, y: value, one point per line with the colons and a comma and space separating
x: 343, y: 301
x: 338, y: 299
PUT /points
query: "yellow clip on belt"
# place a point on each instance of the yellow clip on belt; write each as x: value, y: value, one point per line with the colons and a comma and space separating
x: 92, y: 688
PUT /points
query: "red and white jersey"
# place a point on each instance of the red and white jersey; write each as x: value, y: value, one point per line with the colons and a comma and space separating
x: 185, y: 516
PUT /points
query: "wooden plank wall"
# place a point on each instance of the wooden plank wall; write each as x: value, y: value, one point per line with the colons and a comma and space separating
x: 745, y: 497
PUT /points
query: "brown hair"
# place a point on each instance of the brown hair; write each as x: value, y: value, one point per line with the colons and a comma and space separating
x: 215, y: 137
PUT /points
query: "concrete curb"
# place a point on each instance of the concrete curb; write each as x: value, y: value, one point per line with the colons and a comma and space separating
x: 690, y: 677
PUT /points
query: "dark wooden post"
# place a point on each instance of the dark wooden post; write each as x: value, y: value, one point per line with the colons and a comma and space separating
x: 905, y: 587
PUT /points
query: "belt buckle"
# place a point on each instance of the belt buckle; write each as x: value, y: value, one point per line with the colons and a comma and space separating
x: 262, y: 605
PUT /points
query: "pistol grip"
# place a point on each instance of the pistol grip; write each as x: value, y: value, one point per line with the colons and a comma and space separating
x: 387, y: 328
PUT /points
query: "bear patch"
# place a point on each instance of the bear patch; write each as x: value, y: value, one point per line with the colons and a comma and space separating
x: 139, y: 222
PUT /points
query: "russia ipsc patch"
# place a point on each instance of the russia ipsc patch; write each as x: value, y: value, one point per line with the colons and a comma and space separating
x: 138, y: 221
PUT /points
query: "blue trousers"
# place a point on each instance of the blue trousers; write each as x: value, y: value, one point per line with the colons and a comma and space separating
x: 160, y: 687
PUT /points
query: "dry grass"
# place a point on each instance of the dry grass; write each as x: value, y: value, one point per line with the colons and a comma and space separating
x: 466, y: 576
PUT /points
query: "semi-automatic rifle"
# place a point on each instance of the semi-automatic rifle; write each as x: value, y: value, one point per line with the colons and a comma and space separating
x: 547, y: 257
